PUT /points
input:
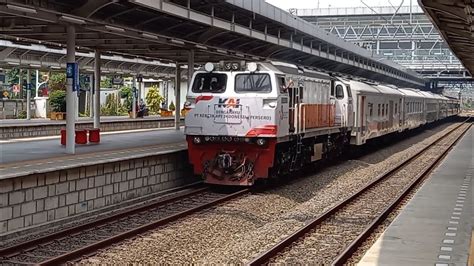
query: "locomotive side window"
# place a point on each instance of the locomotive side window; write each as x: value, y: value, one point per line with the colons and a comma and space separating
x: 253, y: 83
x: 339, y: 92
x: 282, y: 84
x: 210, y: 82
x: 349, y: 93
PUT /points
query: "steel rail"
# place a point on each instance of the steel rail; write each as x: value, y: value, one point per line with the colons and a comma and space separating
x: 16, y: 249
x: 72, y: 255
x: 265, y: 256
x: 347, y: 253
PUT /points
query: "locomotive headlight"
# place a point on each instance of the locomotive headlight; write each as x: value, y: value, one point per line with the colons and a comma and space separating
x: 197, y: 140
x: 261, y: 142
x: 187, y: 104
x: 247, y: 140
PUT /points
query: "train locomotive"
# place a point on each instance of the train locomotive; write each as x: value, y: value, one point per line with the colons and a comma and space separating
x: 250, y: 121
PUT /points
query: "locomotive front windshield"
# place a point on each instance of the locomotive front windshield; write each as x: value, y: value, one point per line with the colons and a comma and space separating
x: 210, y: 83
x: 254, y: 82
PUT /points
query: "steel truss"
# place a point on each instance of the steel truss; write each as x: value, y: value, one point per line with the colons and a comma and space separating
x: 408, y: 39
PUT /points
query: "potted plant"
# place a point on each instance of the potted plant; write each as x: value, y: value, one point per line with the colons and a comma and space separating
x: 57, y: 102
x: 172, y: 108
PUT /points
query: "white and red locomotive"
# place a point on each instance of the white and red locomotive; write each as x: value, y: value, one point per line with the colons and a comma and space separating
x: 259, y: 120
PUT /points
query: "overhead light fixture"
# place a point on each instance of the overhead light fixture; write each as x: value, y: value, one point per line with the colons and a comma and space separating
x: 72, y: 20
x: 55, y: 67
x: 201, y: 47
x: 112, y: 28
x: 177, y: 41
x: 35, y: 65
x: 13, y: 63
x: 149, y: 36
x: 21, y: 8
x: 221, y: 51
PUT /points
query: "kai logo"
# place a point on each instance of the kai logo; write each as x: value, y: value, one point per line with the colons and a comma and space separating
x: 229, y: 103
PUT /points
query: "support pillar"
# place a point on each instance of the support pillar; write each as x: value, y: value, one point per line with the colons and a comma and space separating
x: 134, y: 98
x: 28, y: 94
x: 20, y: 84
x: 177, y: 91
x: 97, y: 89
x: 190, y: 66
x: 140, y: 89
x: 37, y: 83
x: 91, y: 96
x: 71, y: 94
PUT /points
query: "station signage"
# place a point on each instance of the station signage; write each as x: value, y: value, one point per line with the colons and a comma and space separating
x: 72, y: 72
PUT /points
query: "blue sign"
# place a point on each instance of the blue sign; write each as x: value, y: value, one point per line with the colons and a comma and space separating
x: 70, y: 70
x: 76, y: 82
x: 28, y: 87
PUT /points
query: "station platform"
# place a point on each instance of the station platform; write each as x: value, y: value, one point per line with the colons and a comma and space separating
x: 22, y: 157
x: 43, y: 121
x: 22, y: 128
x: 435, y: 227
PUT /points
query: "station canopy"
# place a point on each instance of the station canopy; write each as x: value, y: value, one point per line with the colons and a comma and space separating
x: 454, y: 20
x: 209, y: 30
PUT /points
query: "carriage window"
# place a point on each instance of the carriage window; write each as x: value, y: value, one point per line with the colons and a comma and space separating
x: 253, y: 83
x: 396, y: 108
x: 378, y: 110
x: 339, y: 92
x: 210, y: 82
x: 371, y: 109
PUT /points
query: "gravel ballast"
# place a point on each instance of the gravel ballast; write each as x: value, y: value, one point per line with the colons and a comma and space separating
x: 237, y: 231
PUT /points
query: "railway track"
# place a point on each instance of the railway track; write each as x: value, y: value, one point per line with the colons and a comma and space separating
x: 73, y: 243
x: 334, y: 236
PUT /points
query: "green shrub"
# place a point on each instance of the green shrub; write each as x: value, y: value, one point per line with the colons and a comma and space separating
x: 57, y: 81
x: 126, y: 93
x: 57, y: 101
x: 154, y: 99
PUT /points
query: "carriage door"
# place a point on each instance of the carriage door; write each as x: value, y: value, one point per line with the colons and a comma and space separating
x: 295, y: 93
x: 283, y: 103
x: 390, y: 114
x: 362, y: 114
